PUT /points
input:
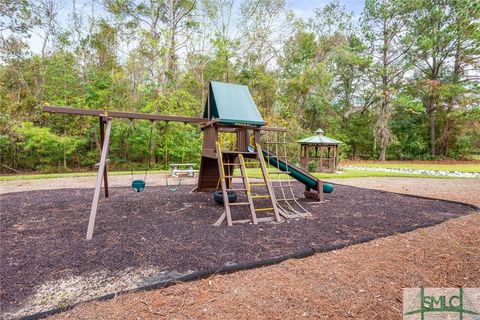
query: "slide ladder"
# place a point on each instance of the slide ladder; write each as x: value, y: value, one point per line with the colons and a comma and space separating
x: 239, y: 163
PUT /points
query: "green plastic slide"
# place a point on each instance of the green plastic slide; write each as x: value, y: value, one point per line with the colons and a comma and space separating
x: 294, y: 171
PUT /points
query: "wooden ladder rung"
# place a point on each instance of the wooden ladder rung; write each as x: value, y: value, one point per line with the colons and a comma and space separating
x: 236, y: 190
x: 233, y: 176
x: 287, y: 199
x: 242, y: 221
x: 231, y: 164
x: 263, y: 209
x: 260, y: 196
x: 265, y: 219
x: 257, y: 184
x: 239, y: 204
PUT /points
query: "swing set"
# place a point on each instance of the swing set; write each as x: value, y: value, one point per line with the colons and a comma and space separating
x: 138, y: 185
x: 105, y: 120
x: 229, y: 108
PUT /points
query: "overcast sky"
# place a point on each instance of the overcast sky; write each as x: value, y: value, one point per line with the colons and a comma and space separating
x: 302, y: 8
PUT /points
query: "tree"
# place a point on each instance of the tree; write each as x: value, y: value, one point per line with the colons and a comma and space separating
x: 433, y: 43
x: 385, y: 24
x: 462, y: 88
x: 160, y: 24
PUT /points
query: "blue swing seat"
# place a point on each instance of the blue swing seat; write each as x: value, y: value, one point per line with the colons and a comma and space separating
x: 138, y: 185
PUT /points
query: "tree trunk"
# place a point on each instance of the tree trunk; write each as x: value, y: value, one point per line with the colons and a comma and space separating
x: 384, y: 119
x: 445, y: 136
x: 383, y: 152
x: 431, y: 119
x: 64, y: 151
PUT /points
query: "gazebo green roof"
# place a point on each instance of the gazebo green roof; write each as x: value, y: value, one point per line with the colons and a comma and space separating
x: 232, y: 104
x: 319, y: 139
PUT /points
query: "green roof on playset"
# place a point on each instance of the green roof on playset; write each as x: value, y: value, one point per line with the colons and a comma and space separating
x: 232, y: 104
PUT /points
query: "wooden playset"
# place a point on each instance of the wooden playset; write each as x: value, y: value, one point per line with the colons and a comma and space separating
x: 229, y: 108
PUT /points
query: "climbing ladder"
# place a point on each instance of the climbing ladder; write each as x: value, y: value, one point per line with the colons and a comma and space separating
x: 226, y: 185
x: 282, y: 185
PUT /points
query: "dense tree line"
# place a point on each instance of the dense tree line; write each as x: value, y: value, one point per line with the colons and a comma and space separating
x: 399, y: 82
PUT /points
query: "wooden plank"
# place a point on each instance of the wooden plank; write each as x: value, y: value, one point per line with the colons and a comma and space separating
x: 268, y: 183
x: 121, y: 114
x: 224, y: 187
x: 102, y: 139
x: 243, y: 170
x: 98, y: 182
x: 273, y: 129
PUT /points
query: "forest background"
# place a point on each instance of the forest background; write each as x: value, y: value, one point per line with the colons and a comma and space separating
x: 399, y: 80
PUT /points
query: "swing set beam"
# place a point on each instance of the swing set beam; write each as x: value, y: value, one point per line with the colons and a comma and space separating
x: 106, y: 118
x: 124, y: 115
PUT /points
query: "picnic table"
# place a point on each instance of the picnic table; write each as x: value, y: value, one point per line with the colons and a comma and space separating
x: 178, y: 169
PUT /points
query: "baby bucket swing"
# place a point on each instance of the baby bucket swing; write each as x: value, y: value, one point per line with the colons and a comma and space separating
x: 138, y: 185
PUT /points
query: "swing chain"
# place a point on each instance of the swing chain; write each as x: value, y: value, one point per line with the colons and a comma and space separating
x: 150, y: 144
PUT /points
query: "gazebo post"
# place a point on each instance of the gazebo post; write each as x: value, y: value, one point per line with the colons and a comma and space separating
x: 308, y: 157
x: 329, y: 168
x: 334, y: 168
x: 321, y: 158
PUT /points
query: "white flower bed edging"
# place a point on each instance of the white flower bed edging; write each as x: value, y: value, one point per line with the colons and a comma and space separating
x: 416, y: 171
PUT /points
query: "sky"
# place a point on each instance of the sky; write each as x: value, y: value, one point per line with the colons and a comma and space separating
x: 302, y: 8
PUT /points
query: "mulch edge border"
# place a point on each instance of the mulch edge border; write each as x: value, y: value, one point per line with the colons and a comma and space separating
x: 197, y: 275
x: 471, y: 205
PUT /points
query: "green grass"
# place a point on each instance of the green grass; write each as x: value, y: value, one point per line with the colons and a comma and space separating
x: 252, y: 173
x: 69, y: 175
x: 256, y: 173
x: 461, y: 167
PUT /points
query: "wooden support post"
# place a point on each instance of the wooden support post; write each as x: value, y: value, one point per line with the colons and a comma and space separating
x: 102, y: 138
x: 334, y: 167
x: 320, y: 190
x: 321, y: 158
x: 98, y: 182
x: 268, y: 183
x: 308, y: 157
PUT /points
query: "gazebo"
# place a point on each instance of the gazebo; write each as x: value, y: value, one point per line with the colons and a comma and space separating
x: 320, y: 149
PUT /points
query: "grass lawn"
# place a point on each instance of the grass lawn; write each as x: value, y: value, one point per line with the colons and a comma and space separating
x: 256, y: 173
x: 68, y: 175
x: 466, y: 166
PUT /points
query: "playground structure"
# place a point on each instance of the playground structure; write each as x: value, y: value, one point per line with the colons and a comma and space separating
x: 321, y: 151
x: 229, y: 108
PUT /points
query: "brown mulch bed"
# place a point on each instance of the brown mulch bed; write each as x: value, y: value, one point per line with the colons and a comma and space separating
x: 43, y: 231
x: 361, y: 282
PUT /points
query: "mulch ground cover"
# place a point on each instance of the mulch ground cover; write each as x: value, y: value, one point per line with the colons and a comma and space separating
x: 42, y: 232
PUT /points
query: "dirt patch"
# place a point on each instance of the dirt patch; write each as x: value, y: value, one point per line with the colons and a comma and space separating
x: 43, y: 232
x: 153, y: 179
x: 462, y: 190
x: 359, y: 282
